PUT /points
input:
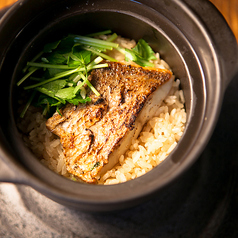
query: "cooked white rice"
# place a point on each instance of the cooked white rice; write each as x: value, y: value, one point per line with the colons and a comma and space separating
x: 156, y: 141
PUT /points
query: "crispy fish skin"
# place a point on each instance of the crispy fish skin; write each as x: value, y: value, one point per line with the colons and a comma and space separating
x: 93, y: 133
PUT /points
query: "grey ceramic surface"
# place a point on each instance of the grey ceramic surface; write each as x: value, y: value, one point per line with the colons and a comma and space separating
x: 202, y: 203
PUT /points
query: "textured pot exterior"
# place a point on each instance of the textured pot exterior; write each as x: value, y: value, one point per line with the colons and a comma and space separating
x: 188, y: 36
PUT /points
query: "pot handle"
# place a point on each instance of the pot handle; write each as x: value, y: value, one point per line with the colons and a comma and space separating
x: 223, y: 37
x: 11, y: 172
x: 6, y: 174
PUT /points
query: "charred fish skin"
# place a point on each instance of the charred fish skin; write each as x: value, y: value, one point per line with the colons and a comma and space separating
x: 96, y: 134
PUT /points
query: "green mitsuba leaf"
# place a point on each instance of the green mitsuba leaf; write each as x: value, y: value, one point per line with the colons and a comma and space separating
x: 66, y: 93
x: 141, y: 54
x: 66, y: 45
x: 44, y: 99
x: 50, y: 90
x: 52, y: 72
x: 46, y: 92
x: 51, y: 46
x: 78, y: 99
x: 55, y: 86
x: 144, y: 50
x: 56, y: 58
x: 82, y: 56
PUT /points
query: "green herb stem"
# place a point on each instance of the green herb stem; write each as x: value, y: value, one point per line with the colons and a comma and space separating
x: 96, y: 60
x: 76, y: 78
x: 92, y: 88
x: 121, y: 50
x: 49, y: 66
x: 100, y: 33
x: 26, y: 76
x: 85, y: 80
x: 27, y: 104
x: 112, y: 37
x: 98, y: 66
x: 60, y: 75
x: 46, y: 109
x: 107, y: 57
x: 64, y: 74
x: 95, y: 42
x: 57, y: 76
x: 81, y: 84
x: 33, y: 60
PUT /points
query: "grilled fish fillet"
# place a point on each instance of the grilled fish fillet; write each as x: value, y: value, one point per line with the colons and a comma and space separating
x: 95, y: 135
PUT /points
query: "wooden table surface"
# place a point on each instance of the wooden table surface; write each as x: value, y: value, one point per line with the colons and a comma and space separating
x: 229, y: 8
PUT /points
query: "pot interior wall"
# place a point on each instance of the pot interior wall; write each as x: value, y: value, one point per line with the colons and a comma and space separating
x: 123, y: 24
x: 164, y: 37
